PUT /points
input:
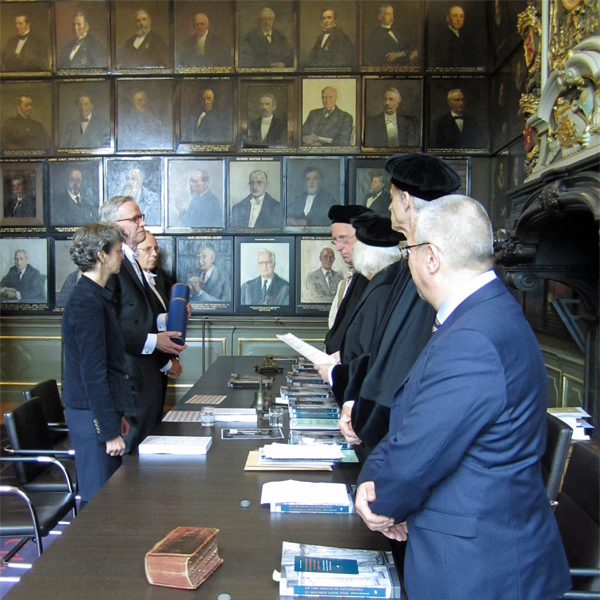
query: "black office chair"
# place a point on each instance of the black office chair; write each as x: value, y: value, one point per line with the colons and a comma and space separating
x: 558, y: 439
x: 28, y: 435
x: 47, y: 392
x: 578, y: 517
x: 34, y: 515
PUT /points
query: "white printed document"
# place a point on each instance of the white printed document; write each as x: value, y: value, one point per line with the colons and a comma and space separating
x: 310, y: 352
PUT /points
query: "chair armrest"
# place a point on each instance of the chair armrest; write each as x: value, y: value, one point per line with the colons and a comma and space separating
x: 585, y: 572
x: 55, y: 453
x: 41, y: 459
x: 59, y: 427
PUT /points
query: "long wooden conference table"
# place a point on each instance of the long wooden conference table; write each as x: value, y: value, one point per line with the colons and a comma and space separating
x: 100, y: 556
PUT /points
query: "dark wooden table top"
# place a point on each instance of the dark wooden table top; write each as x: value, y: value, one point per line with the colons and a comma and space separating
x: 101, y: 554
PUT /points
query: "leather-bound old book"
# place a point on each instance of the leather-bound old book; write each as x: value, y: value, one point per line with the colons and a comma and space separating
x: 184, y: 559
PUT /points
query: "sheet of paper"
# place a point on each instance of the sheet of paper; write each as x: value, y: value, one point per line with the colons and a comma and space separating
x: 315, y: 356
x: 304, y: 492
x: 199, y: 399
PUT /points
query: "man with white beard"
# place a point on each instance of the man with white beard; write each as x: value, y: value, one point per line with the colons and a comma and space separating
x: 144, y: 49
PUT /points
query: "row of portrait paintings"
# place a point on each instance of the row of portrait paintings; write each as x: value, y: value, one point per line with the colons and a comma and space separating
x: 182, y: 195
x: 311, y: 115
x: 219, y: 36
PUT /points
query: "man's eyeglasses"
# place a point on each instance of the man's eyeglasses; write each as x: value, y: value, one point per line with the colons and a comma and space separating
x: 406, y: 250
x: 149, y: 249
x: 135, y: 219
x: 264, y: 263
x: 342, y: 240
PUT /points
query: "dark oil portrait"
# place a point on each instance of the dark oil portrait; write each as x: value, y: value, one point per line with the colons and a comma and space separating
x: 145, y: 114
x: 82, y: 34
x: 196, y: 194
x: 393, y: 36
x: 393, y: 113
x: 204, y: 37
x: 84, y: 115
x: 142, y: 180
x: 22, y: 194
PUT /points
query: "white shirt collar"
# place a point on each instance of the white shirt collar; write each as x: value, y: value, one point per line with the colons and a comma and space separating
x: 129, y: 253
x: 454, y: 31
x: 259, y: 200
x: 450, y: 304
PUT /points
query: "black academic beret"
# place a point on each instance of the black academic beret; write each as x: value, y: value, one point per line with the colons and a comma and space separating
x: 422, y: 175
x: 375, y: 230
x: 344, y: 214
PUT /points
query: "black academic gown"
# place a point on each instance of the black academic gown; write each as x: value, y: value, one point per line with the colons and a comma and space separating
x: 403, y: 331
x: 333, y: 339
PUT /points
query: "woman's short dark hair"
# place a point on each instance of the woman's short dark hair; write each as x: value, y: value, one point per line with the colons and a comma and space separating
x: 92, y: 238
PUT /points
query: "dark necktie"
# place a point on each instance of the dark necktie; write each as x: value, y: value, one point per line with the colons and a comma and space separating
x: 436, y: 325
x: 77, y: 200
x: 203, y: 278
x: 264, y: 291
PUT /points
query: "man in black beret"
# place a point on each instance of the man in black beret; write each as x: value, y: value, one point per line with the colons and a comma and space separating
x: 404, y: 326
x: 352, y: 287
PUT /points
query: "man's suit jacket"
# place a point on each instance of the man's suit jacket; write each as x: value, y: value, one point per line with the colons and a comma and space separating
x: 318, y: 213
x: 338, y: 50
x: 316, y: 285
x: 380, y: 43
x: 64, y: 211
x: 257, y: 52
x: 203, y: 211
x: 269, y: 216
x: 153, y: 52
x: 381, y: 204
x: 27, y: 208
x: 91, y: 55
x: 32, y: 285
x: 137, y: 309
x: 453, y: 51
x: 461, y: 463
x: 96, y: 134
x: 338, y: 126
x: 33, y: 55
x: 277, y: 294
x: 446, y: 133
x: 217, y: 53
x: 215, y: 128
x: 217, y: 287
x: 19, y: 133
x: 409, y: 131
x: 277, y: 133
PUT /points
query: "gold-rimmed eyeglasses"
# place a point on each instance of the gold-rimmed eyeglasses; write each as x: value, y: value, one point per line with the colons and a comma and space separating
x: 135, y: 219
x: 406, y: 250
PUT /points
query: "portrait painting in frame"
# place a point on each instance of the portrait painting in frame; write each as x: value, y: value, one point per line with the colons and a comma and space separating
x: 22, y: 196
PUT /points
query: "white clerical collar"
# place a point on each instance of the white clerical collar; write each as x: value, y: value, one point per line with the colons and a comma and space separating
x: 450, y: 304
x: 257, y: 200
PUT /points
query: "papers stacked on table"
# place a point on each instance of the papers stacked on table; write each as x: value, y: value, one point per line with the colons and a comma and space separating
x: 308, y: 570
x: 175, y: 444
x: 307, y: 497
x: 222, y: 415
x: 574, y: 417
x: 299, y: 456
x: 311, y: 438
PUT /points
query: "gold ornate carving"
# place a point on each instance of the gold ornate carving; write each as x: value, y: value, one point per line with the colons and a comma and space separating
x: 530, y: 29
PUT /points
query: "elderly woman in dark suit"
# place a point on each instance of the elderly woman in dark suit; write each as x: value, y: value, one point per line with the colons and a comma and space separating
x: 96, y: 388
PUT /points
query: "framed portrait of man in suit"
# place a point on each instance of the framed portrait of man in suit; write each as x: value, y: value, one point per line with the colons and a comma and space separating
x: 82, y: 38
x: 313, y: 186
x: 458, y: 115
x: 196, y: 195
x: 166, y: 256
x: 393, y: 37
x: 23, y: 274
x: 255, y: 195
x: 393, y: 116
x: 84, y: 117
x: 144, y: 115
x: 503, y: 18
x: 457, y: 36
x: 66, y: 273
x: 26, y: 118
x: 266, y: 38
x: 207, y: 115
x: 204, y: 37
x: 264, y: 275
x: 140, y: 178
x: 205, y: 263
x: 22, y: 196
x: 25, y: 49
x: 329, y: 109
x: 370, y: 184
x: 268, y: 115
x: 328, y: 35
x: 320, y: 272
x: 142, y: 37
x: 75, y: 192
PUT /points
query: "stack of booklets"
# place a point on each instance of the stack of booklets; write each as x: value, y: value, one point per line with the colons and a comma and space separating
x: 286, y: 455
x: 184, y: 559
x: 311, y: 438
x: 305, y: 378
x: 313, y: 413
x: 308, y: 570
x: 323, y: 391
x: 175, y: 444
x: 306, y: 497
x: 237, y: 380
x: 574, y: 417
